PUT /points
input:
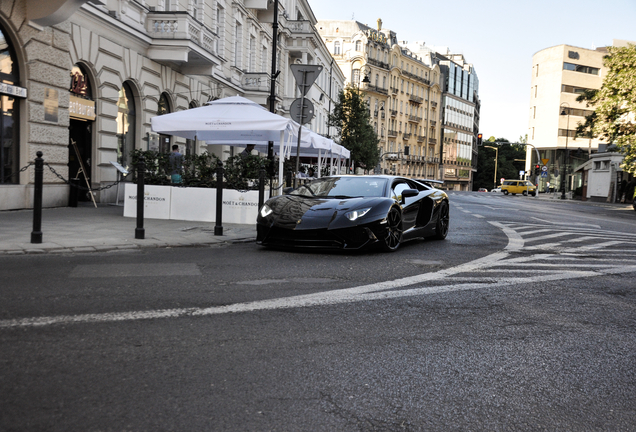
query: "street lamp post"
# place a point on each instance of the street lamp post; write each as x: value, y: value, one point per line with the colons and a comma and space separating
x: 566, y: 156
x: 496, y: 157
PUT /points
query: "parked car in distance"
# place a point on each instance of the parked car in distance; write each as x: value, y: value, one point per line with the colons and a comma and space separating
x: 518, y: 187
x: 482, y: 190
x: 497, y: 189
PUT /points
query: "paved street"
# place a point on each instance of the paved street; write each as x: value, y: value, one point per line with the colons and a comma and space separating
x: 523, y: 319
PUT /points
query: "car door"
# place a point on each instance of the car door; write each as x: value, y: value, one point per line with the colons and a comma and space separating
x: 410, y: 205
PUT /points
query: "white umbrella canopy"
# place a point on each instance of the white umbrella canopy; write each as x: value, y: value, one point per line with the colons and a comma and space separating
x: 230, y: 121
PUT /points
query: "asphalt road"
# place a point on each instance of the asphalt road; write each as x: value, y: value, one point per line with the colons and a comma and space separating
x: 524, y: 318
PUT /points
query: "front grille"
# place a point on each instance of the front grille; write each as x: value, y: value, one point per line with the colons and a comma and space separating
x: 352, y: 238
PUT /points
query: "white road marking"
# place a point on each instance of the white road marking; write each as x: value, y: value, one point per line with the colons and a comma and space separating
x: 391, y: 289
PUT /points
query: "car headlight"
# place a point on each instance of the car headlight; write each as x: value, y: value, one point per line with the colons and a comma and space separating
x: 266, y: 210
x: 355, y: 214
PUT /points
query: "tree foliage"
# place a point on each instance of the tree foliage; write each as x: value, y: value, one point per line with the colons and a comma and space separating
x: 351, y: 118
x: 614, y: 117
x: 507, y: 167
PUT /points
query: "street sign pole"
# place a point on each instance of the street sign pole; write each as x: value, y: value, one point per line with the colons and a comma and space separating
x: 300, y: 128
x: 304, y: 82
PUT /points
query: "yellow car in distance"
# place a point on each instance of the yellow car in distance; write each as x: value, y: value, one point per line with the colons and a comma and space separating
x: 518, y: 187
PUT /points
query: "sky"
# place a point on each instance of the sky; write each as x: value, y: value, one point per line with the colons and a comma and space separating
x: 499, y: 37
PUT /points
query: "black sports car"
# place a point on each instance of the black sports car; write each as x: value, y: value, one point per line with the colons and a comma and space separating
x: 352, y: 212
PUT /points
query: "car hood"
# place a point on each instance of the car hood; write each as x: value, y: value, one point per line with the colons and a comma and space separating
x: 298, y: 212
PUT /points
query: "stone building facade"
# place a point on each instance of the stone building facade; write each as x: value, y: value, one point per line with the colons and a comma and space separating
x: 402, y: 92
x: 82, y: 79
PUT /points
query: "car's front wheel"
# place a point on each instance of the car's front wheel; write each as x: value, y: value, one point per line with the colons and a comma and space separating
x: 393, y: 234
x: 505, y: 192
x: 443, y: 220
x: 525, y: 193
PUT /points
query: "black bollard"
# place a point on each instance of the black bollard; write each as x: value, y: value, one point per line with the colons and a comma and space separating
x: 73, y: 192
x: 140, y: 232
x: 36, y: 234
x: 288, y: 179
x: 261, y: 188
x: 218, y: 227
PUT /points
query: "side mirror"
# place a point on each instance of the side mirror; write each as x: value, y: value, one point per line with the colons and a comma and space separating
x: 408, y: 193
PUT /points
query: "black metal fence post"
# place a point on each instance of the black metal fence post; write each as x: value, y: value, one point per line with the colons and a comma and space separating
x: 140, y: 232
x: 36, y: 234
x: 218, y: 227
x: 288, y: 178
x: 261, y: 188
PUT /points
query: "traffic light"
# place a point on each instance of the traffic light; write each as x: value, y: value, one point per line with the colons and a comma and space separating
x: 479, y: 136
x: 537, y: 170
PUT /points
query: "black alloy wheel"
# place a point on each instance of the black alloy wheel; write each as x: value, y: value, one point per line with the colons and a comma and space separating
x: 393, y: 235
x: 443, y: 222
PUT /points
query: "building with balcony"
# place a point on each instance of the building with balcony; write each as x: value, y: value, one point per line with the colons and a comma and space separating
x: 81, y: 79
x: 460, y: 108
x: 402, y: 93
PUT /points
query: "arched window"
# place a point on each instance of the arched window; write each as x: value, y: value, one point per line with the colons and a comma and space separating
x: 164, y: 108
x: 9, y: 110
x: 126, y: 123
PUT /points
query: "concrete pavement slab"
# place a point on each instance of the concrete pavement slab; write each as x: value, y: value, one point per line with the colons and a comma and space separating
x: 89, y: 229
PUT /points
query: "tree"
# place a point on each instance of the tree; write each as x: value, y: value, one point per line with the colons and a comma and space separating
x: 508, y: 162
x: 614, y: 117
x: 351, y: 118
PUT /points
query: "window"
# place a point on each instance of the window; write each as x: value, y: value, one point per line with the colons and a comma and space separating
x: 264, y: 59
x: 251, y: 61
x: 336, y: 48
x: 580, y: 68
x: 355, y: 76
x: 9, y: 109
x: 238, y: 35
x: 573, y: 89
x: 358, y: 45
x: 126, y: 124
x: 569, y: 133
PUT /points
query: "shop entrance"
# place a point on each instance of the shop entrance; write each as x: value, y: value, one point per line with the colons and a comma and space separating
x: 80, y: 132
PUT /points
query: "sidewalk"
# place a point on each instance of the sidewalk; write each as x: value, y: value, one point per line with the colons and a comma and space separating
x: 89, y: 229
x: 556, y: 196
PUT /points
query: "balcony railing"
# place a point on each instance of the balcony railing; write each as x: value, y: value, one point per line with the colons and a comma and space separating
x: 415, y: 119
x: 406, y: 136
x: 392, y: 133
x: 378, y: 63
x: 416, y: 99
x: 256, y: 81
x: 394, y: 90
x: 393, y: 113
x: 432, y: 141
x: 302, y: 26
x: 433, y: 104
x: 175, y: 35
x: 421, y: 138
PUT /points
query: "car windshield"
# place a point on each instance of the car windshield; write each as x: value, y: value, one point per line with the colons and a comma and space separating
x: 343, y: 187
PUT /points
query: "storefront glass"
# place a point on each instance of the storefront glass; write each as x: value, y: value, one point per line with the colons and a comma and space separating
x: 9, y: 109
x: 126, y: 121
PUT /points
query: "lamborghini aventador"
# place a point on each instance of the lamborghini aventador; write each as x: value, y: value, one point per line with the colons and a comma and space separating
x: 354, y: 212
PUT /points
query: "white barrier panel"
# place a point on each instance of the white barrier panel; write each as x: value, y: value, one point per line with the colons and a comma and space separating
x: 156, y: 201
x: 240, y: 208
x: 193, y: 204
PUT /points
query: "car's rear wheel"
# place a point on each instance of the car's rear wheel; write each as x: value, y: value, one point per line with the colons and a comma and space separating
x: 443, y: 220
x: 393, y: 234
x: 505, y: 192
